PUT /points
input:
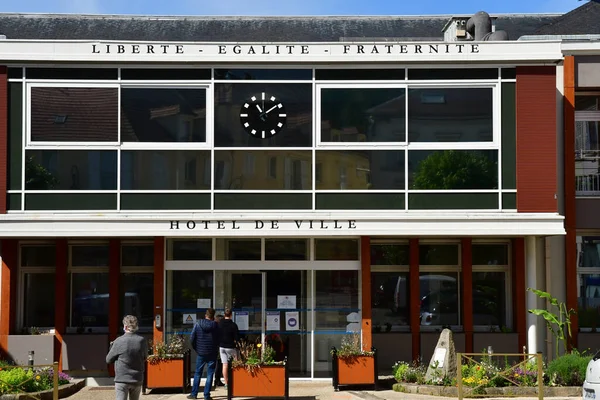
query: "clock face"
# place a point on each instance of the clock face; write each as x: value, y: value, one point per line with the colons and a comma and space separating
x: 263, y: 115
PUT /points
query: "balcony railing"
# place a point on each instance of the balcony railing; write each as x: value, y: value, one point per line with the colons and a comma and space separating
x: 587, y: 172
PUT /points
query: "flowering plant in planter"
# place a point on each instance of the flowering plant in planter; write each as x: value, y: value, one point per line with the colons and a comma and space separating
x: 351, y: 346
x: 167, y: 350
x: 253, y: 356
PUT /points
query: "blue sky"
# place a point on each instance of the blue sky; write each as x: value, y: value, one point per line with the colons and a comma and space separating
x: 288, y: 7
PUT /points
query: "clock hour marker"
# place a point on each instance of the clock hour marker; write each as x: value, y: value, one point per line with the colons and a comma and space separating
x: 253, y: 131
x: 279, y: 105
x: 280, y: 125
x: 246, y: 125
x: 283, y: 115
x: 272, y: 131
x: 263, y: 95
x: 246, y: 115
x: 272, y: 98
x: 246, y: 105
x: 253, y: 98
x: 263, y: 134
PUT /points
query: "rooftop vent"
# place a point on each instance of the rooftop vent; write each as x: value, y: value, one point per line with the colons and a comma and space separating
x: 479, y: 27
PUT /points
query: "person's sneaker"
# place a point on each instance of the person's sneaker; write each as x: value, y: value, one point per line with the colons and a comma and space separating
x: 225, y: 386
x: 191, y: 396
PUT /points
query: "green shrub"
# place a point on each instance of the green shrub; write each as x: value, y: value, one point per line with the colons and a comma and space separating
x: 569, y: 369
x: 407, y: 373
x: 27, y: 380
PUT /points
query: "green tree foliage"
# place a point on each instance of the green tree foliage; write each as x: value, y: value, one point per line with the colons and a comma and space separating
x: 456, y: 169
x: 37, y: 177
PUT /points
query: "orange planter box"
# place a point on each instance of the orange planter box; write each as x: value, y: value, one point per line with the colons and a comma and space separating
x: 357, y: 370
x: 266, y: 381
x: 173, y: 373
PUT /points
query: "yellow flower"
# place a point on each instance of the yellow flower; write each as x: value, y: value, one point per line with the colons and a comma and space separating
x: 37, y: 377
x: 259, y: 345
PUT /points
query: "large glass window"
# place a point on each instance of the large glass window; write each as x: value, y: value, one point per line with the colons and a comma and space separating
x: 453, y: 169
x: 74, y: 114
x: 70, y: 170
x: 230, y: 104
x: 263, y: 170
x: 165, y: 170
x: 336, y: 313
x: 450, y: 115
x: 360, y: 169
x: 336, y: 249
x: 390, y: 288
x: 188, y: 293
x: 189, y: 249
x: 286, y: 249
x: 137, y: 282
x: 363, y: 115
x: 490, y: 285
x: 88, y: 274
x: 38, y: 263
x: 163, y: 115
x: 588, y: 267
x: 239, y: 249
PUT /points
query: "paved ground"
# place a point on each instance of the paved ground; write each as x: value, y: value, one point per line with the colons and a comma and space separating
x: 298, y: 391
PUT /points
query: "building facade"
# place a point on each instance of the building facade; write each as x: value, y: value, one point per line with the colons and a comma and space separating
x: 317, y: 187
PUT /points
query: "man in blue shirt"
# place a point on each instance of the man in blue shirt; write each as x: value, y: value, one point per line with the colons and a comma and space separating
x: 205, y: 342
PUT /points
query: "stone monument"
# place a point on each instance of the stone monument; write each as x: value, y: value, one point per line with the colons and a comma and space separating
x: 443, y: 361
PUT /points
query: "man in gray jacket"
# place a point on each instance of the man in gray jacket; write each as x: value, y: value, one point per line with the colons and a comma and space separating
x: 129, y: 353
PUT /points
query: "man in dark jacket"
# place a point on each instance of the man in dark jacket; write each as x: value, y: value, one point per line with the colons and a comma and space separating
x: 205, y: 342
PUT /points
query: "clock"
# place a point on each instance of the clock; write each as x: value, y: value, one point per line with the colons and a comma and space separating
x: 263, y: 116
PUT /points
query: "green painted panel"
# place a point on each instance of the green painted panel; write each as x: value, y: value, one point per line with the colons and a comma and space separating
x: 15, y: 136
x: 360, y: 201
x: 509, y: 201
x: 165, y: 201
x: 453, y: 201
x: 509, y: 136
x: 263, y: 201
x: 71, y: 201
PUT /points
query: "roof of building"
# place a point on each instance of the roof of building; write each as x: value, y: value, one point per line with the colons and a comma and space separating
x: 247, y: 29
x: 580, y: 21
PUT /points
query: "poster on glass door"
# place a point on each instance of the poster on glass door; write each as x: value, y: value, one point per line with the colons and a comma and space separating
x: 292, y: 321
x: 241, y: 319
x: 273, y: 320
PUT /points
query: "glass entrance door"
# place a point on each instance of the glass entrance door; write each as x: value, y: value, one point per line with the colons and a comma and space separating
x: 287, y: 319
x: 270, y: 307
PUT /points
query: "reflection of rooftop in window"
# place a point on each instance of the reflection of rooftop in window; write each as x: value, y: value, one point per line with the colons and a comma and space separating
x: 60, y: 119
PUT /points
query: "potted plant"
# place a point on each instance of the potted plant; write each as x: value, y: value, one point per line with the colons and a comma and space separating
x: 256, y: 373
x: 352, y: 365
x: 168, y: 365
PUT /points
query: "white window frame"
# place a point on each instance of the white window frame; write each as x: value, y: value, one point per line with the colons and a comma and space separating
x: 491, y: 145
x: 73, y: 145
x: 206, y: 145
x: 375, y: 268
x: 445, y: 269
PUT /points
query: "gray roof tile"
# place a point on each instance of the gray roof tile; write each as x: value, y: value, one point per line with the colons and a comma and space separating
x: 245, y: 29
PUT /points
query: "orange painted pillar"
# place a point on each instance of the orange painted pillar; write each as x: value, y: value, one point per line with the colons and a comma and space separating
x: 159, y: 268
x: 365, y: 268
x: 569, y: 185
x: 114, y: 293
x: 415, y: 298
x: 519, y: 305
x: 8, y: 290
x: 467, y: 292
x: 60, y: 299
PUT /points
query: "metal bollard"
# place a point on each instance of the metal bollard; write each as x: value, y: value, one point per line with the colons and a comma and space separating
x: 30, y: 357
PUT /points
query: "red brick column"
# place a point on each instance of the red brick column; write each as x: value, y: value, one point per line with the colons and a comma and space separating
x: 365, y: 268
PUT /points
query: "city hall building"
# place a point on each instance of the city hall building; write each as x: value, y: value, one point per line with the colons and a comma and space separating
x: 387, y: 175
